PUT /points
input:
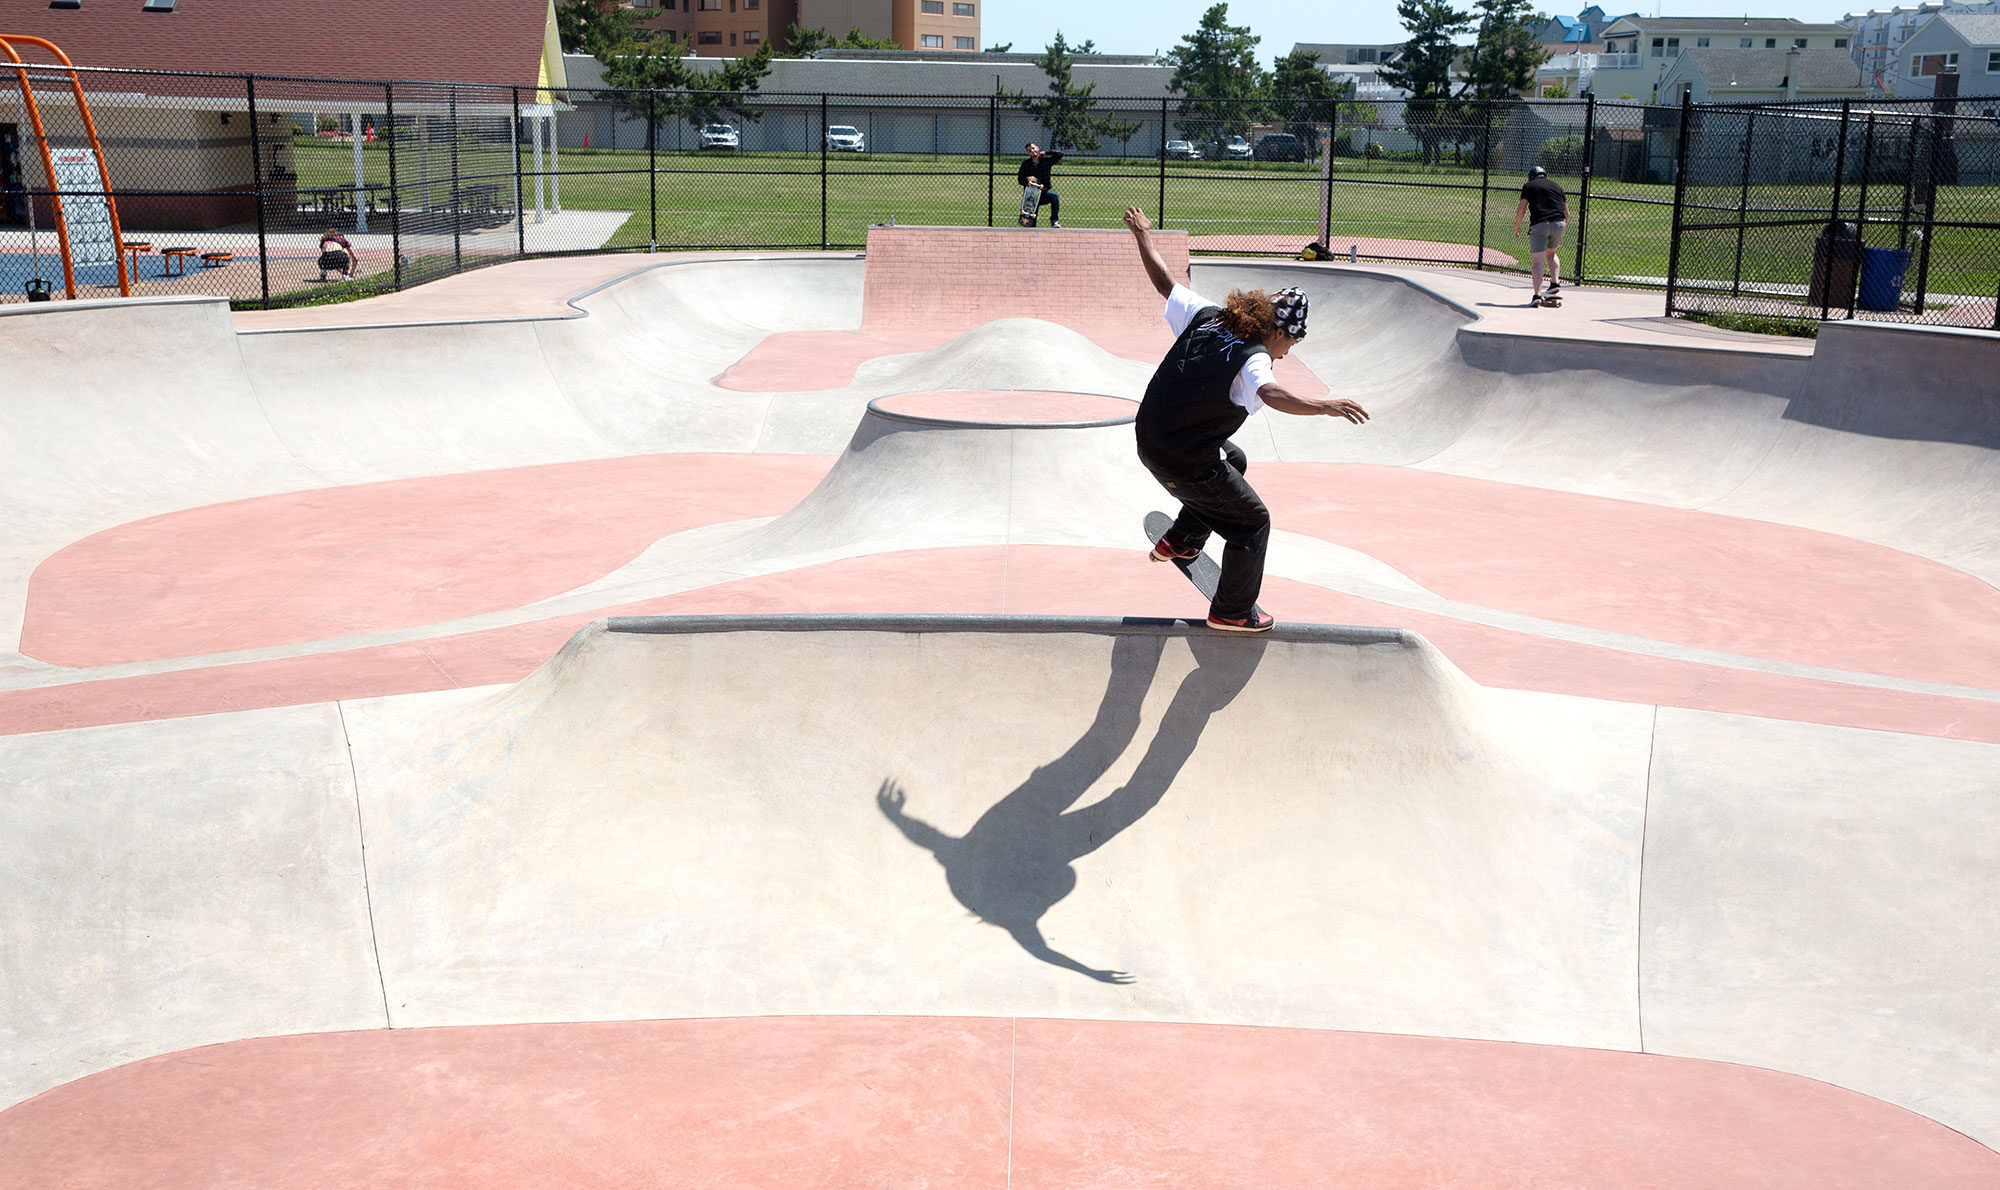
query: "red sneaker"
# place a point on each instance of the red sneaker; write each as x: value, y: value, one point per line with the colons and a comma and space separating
x: 1256, y: 621
x: 1162, y: 552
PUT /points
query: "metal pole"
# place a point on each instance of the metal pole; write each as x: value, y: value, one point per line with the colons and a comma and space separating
x: 1909, y: 170
x: 1743, y: 203
x: 459, y: 257
x: 1930, y: 209
x: 992, y: 147
x: 257, y: 188
x: 1680, y: 197
x: 1485, y: 175
x: 1588, y: 166
x: 824, y: 134
x: 1867, y: 166
x: 652, y: 170
x: 520, y: 212
x: 1840, y: 157
x: 395, y: 196
x: 1326, y: 175
x: 1160, y: 209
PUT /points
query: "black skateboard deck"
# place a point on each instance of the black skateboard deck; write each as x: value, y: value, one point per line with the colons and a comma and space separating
x: 1201, y: 570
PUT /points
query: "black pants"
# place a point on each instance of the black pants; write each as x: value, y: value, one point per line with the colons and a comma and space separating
x: 1053, y: 202
x: 1221, y: 501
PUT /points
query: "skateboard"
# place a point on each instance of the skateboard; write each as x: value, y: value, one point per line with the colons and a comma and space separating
x: 1201, y: 570
x: 1552, y: 299
x: 1031, y: 205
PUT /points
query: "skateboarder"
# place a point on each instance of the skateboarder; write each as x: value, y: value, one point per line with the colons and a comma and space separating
x: 1036, y: 169
x: 1217, y: 374
x: 1547, y: 208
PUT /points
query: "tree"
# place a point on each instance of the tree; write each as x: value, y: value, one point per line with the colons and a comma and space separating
x: 1000, y: 47
x: 804, y: 43
x: 596, y: 27
x: 1305, y: 95
x: 1503, y: 60
x: 1216, y: 69
x: 679, y: 91
x: 1067, y: 110
x: 1423, y: 68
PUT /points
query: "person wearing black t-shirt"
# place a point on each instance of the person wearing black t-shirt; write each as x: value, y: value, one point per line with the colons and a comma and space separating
x: 1037, y: 168
x: 1217, y: 374
x: 1547, y: 208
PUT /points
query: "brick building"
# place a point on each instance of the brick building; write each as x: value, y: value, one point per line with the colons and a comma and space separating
x: 733, y: 28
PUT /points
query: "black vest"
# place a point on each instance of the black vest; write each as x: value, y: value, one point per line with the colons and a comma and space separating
x: 1187, y: 415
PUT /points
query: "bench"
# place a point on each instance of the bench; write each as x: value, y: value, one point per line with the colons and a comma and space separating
x: 169, y: 257
x: 215, y: 260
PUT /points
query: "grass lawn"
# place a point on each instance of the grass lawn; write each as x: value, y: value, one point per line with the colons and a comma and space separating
x: 781, y: 200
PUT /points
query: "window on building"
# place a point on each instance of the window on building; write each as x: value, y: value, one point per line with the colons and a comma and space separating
x: 961, y: 10
x: 1666, y: 47
x: 709, y: 38
x: 1840, y: 43
x: 934, y: 7
x: 1798, y: 43
x: 752, y: 37
x: 964, y: 43
x: 1743, y: 43
x: 1925, y: 65
x: 932, y: 41
x: 751, y: 5
x: 1993, y: 62
x: 1701, y: 43
x: 710, y: 5
x: 732, y: 5
x: 732, y: 39
x: 1770, y: 43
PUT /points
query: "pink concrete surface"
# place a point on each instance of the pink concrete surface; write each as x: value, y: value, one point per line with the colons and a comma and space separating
x: 957, y: 1102
x: 1020, y: 407
x: 1023, y: 580
x: 326, y: 563
x: 331, y: 562
x: 956, y: 278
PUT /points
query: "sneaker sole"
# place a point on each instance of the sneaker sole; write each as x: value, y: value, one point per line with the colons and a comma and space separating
x: 1220, y: 627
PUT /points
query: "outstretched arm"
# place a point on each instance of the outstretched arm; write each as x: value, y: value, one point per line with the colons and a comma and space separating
x: 889, y: 799
x: 1156, y: 268
x: 1287, y: 402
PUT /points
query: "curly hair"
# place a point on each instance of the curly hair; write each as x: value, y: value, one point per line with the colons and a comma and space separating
x: 1250, y: 315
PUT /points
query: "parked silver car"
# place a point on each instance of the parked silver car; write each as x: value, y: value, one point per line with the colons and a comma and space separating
x: 845, y: 138
x: 1180, y: 150
x: 719, y: 136
x: 1233, y: 148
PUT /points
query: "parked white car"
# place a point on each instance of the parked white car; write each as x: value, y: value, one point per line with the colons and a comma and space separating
x: 719, y: 136
x: 845, y: 138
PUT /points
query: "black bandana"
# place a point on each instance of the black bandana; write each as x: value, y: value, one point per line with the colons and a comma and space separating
x: 1291, y: 305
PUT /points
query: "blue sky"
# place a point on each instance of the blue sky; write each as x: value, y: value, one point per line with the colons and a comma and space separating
x: 1143, y: 26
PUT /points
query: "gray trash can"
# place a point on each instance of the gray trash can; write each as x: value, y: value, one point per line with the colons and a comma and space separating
x: 1882, y: 272
x: 1836, y: 266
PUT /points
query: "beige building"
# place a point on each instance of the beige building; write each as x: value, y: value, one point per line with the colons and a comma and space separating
x: 734, y: 28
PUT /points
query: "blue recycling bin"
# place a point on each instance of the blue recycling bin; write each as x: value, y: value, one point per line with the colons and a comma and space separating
x: 1882, y: 272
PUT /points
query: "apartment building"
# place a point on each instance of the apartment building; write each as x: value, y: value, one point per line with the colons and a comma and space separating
x: 1880, y: 33
x: 1639, y: 50
x: 733, y: 28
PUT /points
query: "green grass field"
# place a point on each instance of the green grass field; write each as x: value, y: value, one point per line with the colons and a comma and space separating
x: 775, y: 200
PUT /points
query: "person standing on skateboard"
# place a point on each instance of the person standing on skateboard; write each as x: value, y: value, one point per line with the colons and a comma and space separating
x: 1216, y: 375
x: 1037, y: 169
x: 1547, y: 209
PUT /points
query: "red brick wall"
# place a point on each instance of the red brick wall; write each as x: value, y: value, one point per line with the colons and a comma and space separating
x: 955, y: 278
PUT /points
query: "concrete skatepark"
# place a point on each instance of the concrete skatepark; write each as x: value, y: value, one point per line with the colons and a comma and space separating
x: 709, y: 719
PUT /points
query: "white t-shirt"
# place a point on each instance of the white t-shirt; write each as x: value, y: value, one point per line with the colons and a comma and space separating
x: 1182, y: 305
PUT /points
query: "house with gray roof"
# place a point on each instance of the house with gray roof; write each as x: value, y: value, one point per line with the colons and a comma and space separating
x: 1639, y: 50
x: 1759, y: 75
x: 1965, y: 44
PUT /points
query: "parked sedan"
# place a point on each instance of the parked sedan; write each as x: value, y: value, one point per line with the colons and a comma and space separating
x: 1180, y: 150
x: 719, y: 136
x: 1233, y: 148
x: 845, y: 138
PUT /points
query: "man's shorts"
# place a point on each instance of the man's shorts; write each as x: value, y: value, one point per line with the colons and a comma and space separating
x: 1546, y: 237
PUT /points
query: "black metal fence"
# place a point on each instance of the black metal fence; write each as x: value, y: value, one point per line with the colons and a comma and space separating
x: 228, y: 184
x: 1881, y: 210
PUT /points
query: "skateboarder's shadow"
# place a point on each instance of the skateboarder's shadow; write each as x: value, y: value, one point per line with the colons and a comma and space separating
x: 1014, y: 864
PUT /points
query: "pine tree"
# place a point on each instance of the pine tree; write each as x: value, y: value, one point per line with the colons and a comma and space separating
x: 1067, y: 112
x: 1503, y: 60
x: 1423, y: 68
x: 1216, y: 69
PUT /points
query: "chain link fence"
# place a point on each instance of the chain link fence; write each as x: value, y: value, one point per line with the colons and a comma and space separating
x: 239, y: 186
x: 1876, y: 210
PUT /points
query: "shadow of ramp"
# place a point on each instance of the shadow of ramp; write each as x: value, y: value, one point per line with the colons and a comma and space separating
x: 1014, y: 864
